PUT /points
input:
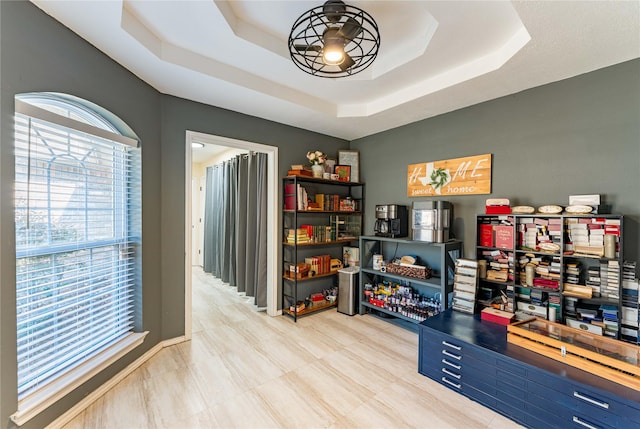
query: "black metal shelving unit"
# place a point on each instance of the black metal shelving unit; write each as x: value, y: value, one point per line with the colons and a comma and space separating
x: 294, y: 214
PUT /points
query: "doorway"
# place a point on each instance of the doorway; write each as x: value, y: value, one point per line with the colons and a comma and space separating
x: 272, y: 215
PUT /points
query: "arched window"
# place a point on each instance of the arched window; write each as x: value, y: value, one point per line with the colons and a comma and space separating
x: 77, y: 219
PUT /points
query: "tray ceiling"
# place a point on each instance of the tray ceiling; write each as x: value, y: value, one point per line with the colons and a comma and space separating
x: 435, y: 57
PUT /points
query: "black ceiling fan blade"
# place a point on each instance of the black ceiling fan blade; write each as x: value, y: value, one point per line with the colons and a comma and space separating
x: 306, y: 48
x: 347, y: 63
x: 350, y: 29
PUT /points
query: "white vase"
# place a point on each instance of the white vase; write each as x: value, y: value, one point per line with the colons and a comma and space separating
x: 317, y: 170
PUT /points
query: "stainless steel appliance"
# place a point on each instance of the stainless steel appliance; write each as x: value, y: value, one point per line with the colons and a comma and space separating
x: 391, y: 221
x: 431, y: 221
x: 347, y: 290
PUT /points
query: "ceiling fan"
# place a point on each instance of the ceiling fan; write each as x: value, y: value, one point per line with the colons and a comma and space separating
x: 334, y: 40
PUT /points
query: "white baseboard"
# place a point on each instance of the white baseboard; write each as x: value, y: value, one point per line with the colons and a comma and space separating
x: 74, y: 411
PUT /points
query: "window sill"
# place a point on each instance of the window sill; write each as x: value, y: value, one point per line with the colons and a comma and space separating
x: 38, y: 401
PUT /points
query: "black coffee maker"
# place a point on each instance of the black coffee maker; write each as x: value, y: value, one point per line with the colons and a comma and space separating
x: 392, y: 220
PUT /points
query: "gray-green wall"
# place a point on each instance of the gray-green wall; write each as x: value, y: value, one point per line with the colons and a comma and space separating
x: 577, y: 136
x: 39, y: 54
x: 180, y: 115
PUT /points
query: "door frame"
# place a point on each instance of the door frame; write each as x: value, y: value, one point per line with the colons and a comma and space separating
x: 272, y: 216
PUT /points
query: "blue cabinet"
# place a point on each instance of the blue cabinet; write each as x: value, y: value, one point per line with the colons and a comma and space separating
x: 472, y: 357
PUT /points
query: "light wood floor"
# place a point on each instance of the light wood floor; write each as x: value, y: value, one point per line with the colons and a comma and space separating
x: 244, y: 369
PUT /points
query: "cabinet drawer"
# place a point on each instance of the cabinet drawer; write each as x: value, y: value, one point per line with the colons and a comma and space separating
x: 496, y: 376
x: 480, y: 396
x: 552, y: 414
x: 581, y: 403
x: 580, y: 422
x: 562, y: 410
x: 472, y: 379
x: 511, y: 410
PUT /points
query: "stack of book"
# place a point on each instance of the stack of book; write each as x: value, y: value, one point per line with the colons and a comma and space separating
x: 532, y: 232
x: 570, y: 307
x: 610, y: 318
x: 572, y: 273
x: 538, y: 297
x: 548, y: 270
x: 555, y: 230
x: 593, y: 280
x: 585, y: 237
x: 499, y: 265
x: 610, y: 279
x: 298, y: 236
x: 629, y: 329
x: 554, y: 302
x: 300, y: 170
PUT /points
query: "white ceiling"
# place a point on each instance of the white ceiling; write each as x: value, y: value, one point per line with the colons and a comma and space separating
x: 435, y: 56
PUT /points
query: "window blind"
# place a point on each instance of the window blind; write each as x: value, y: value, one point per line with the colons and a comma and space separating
x: 77, y: 216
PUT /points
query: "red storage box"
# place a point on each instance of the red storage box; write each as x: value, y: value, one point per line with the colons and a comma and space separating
x: 498, y: 209
x: 497, y: 316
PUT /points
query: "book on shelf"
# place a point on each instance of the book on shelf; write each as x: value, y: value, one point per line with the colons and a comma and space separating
x: 298, y: 235
x: 303, y: 198
x: 303, y: 173
x: 300, y: 167
x: 486, y: 235
x: 504, y: 236
x: 300, y: 170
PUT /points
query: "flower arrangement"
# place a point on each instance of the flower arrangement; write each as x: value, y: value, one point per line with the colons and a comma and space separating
x: 316, y: 158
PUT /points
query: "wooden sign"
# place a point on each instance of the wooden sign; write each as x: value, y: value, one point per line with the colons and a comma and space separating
x: 459, y: 176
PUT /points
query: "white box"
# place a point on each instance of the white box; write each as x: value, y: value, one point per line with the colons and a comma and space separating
x: 583, y: 326
x: 584, y: 200
x: 537, y: 310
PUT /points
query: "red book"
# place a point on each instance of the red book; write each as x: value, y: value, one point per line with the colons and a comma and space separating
x: 504, y: 236
x: 309, y: 229
x: 486, y: 235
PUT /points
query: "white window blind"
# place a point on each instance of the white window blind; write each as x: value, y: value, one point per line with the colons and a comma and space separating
x: 77, y: 213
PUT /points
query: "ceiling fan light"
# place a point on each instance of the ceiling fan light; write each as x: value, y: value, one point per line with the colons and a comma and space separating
x: 333, y: 57
x: 334, y: 40
x: 333, y: 52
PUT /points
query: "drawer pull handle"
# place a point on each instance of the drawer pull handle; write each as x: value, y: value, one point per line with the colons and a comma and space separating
x: 590, y: 400
x: 583, y: 423
x: 451, y: 355
x: 453, y: 346
x: 451, y: 383
x: 451, y: 364
x: 456, y: 376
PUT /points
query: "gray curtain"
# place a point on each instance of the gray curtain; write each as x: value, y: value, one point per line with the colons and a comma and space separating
x: 235, y: 219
